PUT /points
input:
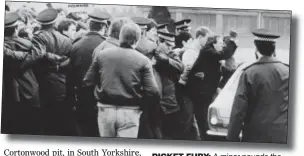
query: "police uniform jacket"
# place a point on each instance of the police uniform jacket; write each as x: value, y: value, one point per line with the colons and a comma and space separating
x: 169, y: 72
x: 81, y: 56
x: 20, y: 84
x: 52, y: 83
x: 261, y: 103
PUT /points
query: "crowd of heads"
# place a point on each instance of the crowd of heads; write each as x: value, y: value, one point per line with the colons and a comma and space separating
x: 124, y: 30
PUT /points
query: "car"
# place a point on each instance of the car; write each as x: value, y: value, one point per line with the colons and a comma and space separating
x: 220, y: 109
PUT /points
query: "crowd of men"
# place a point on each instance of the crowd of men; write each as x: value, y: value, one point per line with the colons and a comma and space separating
x: 130, y: 77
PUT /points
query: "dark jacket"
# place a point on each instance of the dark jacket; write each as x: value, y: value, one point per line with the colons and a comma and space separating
x: 81, y: 59
x: 52, y: 83
x: 19, y: 81
x: 122, y: 76
x: 261, y: 103
x: 81, y: 56
x: 208, y: 62
x: 169, y: 72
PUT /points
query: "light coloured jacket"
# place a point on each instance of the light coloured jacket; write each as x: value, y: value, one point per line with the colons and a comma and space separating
x: 189, y: 57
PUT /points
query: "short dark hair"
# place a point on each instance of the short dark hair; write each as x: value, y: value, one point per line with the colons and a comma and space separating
x: 116, y: 26
x: 151, y: 25
x: 129, y: 34
x: 73, y: 16
x: 65, y: 24
x: 96, y: 26
x: 265, y: 48
x: 213, y: 39
x: 47, y: 26
x: 182, y: 36
x: 233, y: 34
x: 9, y: 31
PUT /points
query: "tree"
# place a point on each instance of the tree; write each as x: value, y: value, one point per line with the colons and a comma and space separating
x: 162, y: 15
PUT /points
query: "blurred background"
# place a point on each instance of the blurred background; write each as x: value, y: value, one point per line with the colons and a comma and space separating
x: 221, y: 21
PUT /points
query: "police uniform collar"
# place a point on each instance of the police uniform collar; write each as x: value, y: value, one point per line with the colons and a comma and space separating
x: 265, y: 59
x: 94, y: 33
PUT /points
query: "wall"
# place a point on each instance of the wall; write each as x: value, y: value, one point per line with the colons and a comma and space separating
x: 221, y: 21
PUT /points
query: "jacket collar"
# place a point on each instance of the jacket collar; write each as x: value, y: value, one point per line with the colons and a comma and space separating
x: 92, y: 33
x: 267, y: 59
x: 113, y: 41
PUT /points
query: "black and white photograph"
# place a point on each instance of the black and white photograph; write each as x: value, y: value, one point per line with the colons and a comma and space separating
x: 146, y: 72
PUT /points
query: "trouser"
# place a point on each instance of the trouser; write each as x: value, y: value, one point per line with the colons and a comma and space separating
x: 201, y: 103
x: 86, y: 113
x: 59, y: 119
x: 147, y: 129
x: 149, y: 125
x: 87, y: 121
x: 118, y: 121
x: 19, y: 118
x: 188, y: 129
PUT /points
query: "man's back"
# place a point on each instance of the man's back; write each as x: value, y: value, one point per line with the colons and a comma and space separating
x: 264, y: 86
x: 81, y: 55
x: 125, y: 76
x: 21, y: 82
x: 52, y: 83
x: 269, y: 90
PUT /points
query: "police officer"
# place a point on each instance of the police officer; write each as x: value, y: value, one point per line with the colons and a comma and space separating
x: 169, y: 67
x: 20, y: 87
x: 58, y: 114
x: 163, y: 27
x: 81, y: 59
x: 145, y: 46
x: 261, y: 100
x: 183, y: 25
x: 149, y: 125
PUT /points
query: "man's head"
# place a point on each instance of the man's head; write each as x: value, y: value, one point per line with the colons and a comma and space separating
x: 265, y: 41
x: 265, y: 48
x: 217, y: 42
x: 233, y: 34
x: 98, y: 27
x: 167, y: 39
x: 142, y: 23
x: 67, y: 27
x: 99, y: 21
x: 129, y: 35
x: 202, y: 34
x: 151, y: 31
x: 12, y: 21
x: 61, y: 13
x: 183, y: 26
x: 47, y: 18
x: 73, y: 16
x: 116, y: 26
